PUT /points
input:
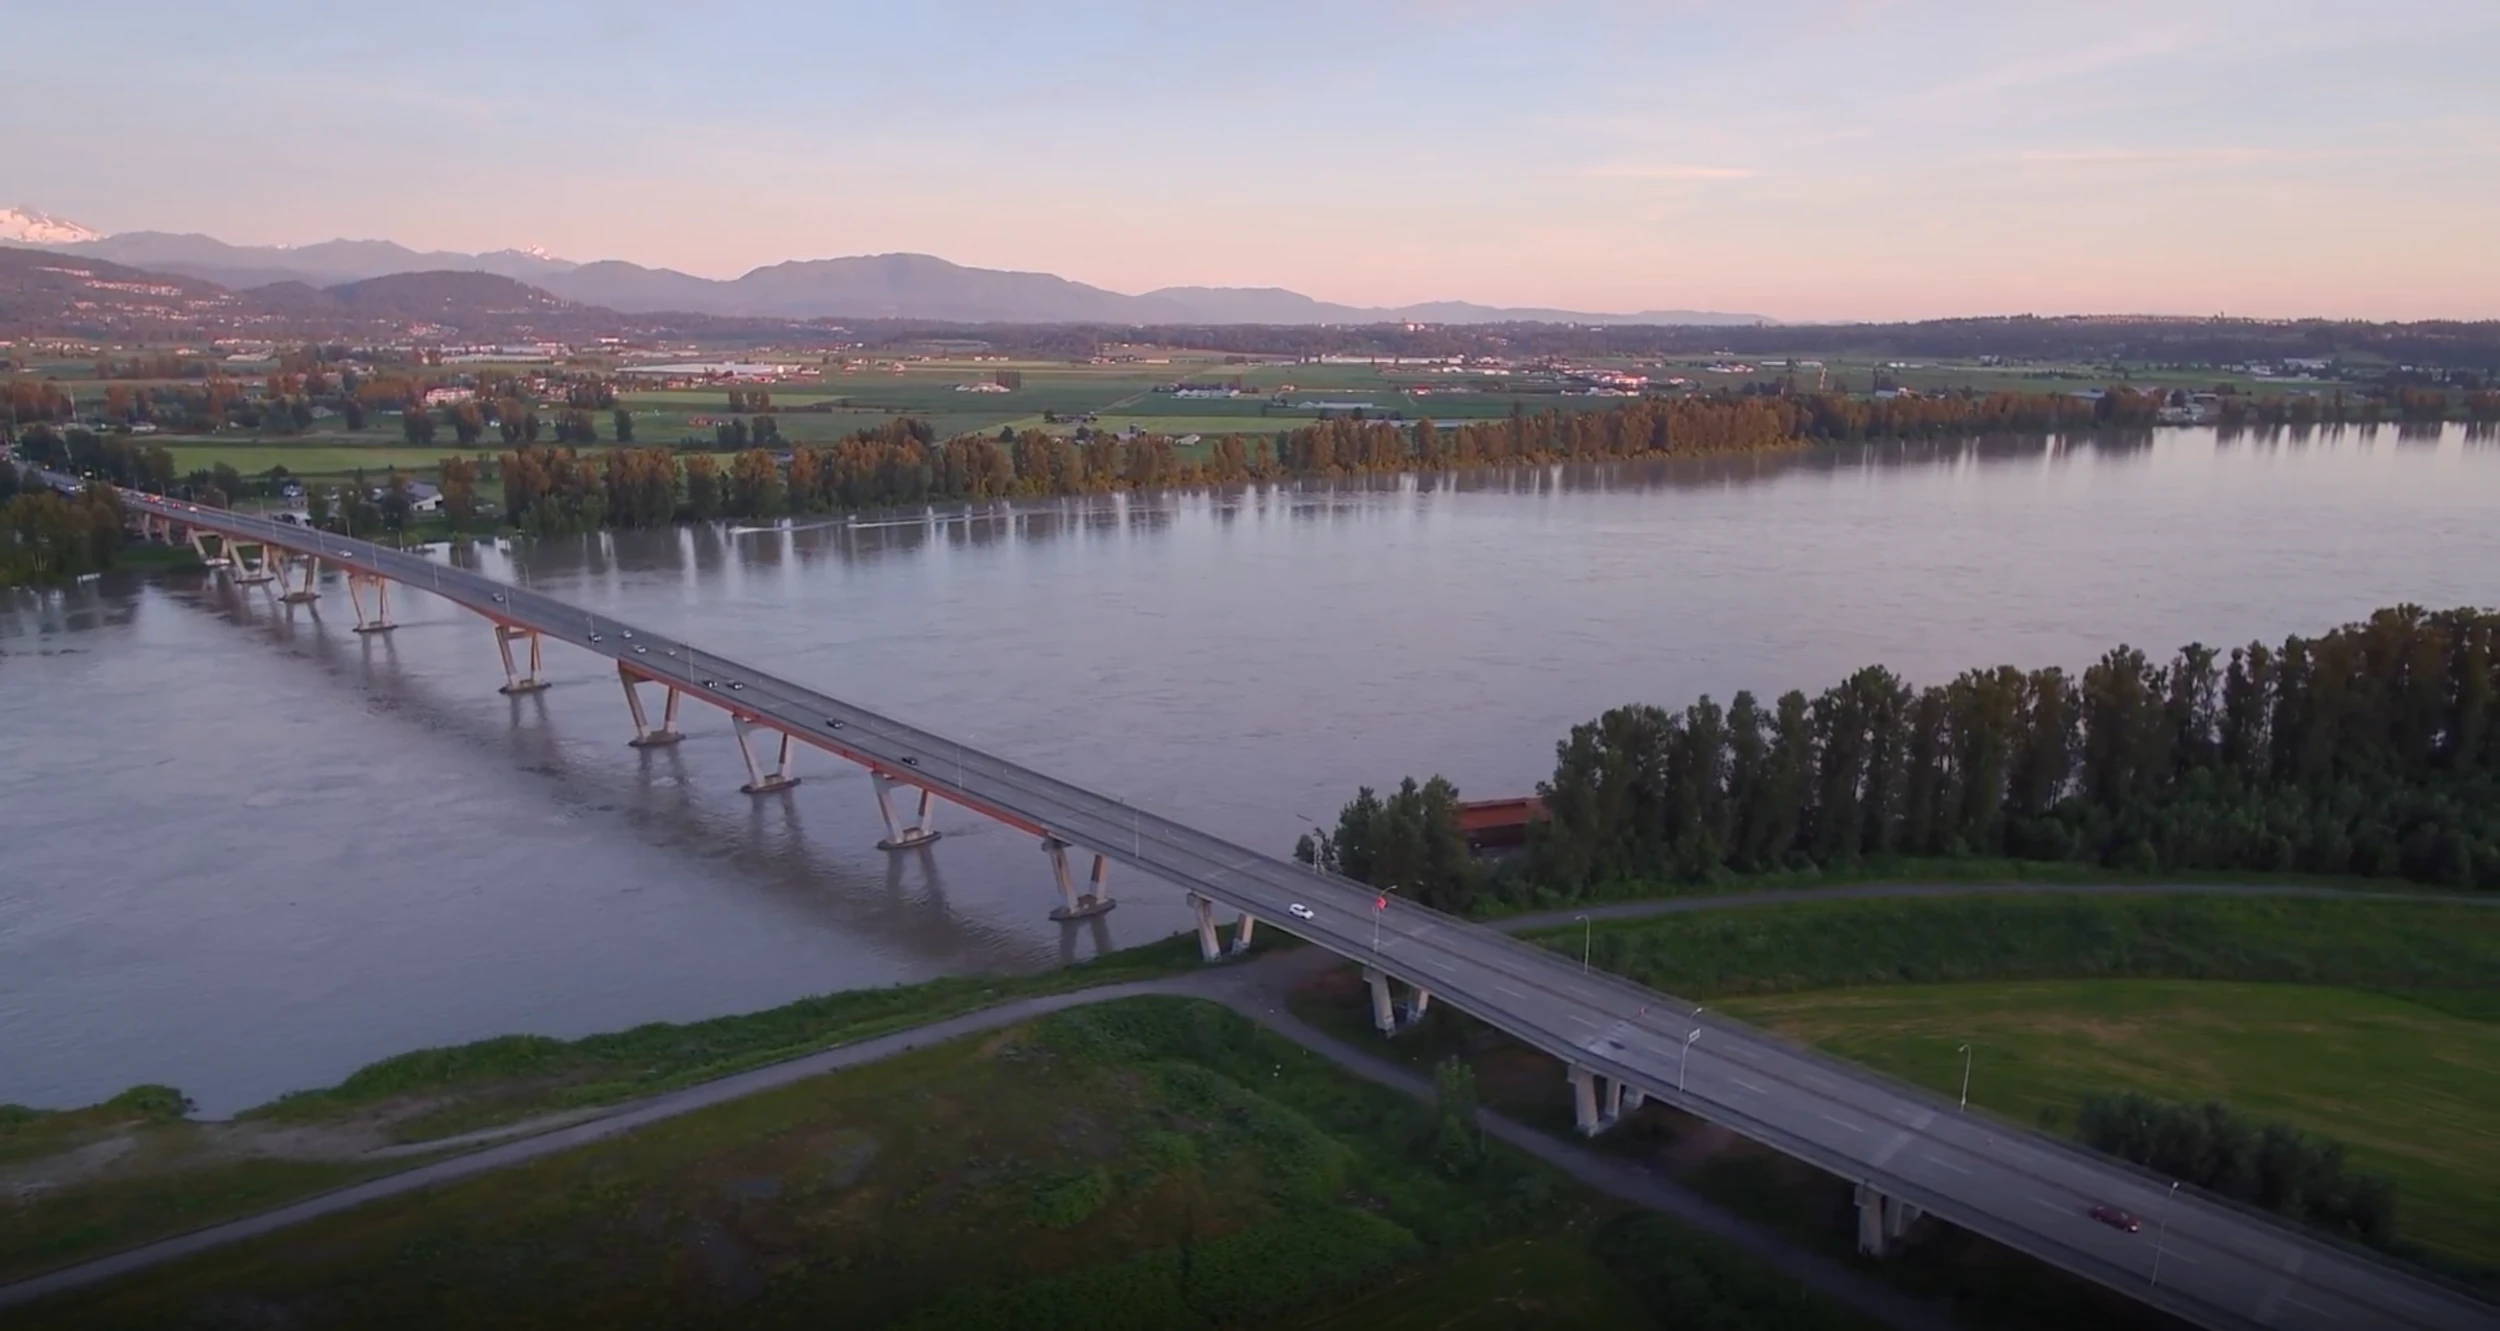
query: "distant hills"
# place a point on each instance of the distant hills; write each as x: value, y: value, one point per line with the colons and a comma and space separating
x: 878, y: 286
x: 47, y: 292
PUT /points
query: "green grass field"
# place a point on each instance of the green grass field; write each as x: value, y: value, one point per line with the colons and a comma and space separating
x: 2410, y: 1089
x: 1154, y: 1164
x: 1522, y: 1285
x: 2446, y: 955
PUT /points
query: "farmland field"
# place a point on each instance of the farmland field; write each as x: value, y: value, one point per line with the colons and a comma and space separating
x: 254, y: 457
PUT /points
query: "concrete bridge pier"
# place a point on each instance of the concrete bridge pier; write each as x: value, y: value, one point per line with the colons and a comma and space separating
x: 291, y: 592
x: 1210, y: 935
x: 1598, y: 1103
x: 644, y: 736
x: 251, y: 561
x: 759, y: 781
x: 1386, y: 1017
x: 515, y: 682
x: 380, y: 620
x: 897, y: 836
x: 1076, y: 905
x: 1882, y: 1221
x: 210, y: 547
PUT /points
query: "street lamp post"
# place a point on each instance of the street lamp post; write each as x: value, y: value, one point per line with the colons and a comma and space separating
x: 1585, y: 929
x: 1681, y: 1055
x: 1965, y: 1077
x: 2162, y: 1233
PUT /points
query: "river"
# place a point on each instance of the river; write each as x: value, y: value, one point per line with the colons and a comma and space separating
x: 243, y: 850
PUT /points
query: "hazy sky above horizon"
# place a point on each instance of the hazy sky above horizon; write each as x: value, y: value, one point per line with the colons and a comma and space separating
x: 1803, y: 159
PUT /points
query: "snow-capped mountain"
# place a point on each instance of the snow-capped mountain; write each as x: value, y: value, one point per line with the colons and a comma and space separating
x: 25, y: 226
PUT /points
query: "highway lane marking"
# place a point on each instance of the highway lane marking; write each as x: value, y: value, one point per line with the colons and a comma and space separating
x: 1442, y: 966
x: 1902, y: 1138
x: 1843, y: 1122
x: 1506, y: 989
x: 2281, y: 1289
x: 1940, y: 1160
x: 1748, y: 1085
x: 1574, y: 1016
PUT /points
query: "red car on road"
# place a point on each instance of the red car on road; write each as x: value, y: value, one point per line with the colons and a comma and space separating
x: 2116, y: 1219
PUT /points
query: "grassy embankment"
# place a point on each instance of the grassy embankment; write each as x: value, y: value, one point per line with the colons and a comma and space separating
x: 2375, y: 1023
x: 162, y: 1174
x: 1156, y: 1163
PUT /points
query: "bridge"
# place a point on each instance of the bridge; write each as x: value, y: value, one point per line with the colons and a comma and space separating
x: 1910, y: 1153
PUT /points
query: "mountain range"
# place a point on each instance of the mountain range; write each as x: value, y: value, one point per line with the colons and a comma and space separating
x: 879, y: 286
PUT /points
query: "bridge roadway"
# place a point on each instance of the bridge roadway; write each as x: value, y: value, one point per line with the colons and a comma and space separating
x: 2218, y: 1265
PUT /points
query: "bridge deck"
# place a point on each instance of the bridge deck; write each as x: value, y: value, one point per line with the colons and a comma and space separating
x: 2221, y: 1266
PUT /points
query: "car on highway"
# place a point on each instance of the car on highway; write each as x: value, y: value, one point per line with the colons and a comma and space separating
x: 909, y: 761
x: 2117, y: 1219
x: 1300, y: 911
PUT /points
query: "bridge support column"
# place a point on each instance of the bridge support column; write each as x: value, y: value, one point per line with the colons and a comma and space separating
x: 515, y: 682
x: 253, y: 567
x: 1598, y: 1103
x: 219, y: 556
x: 897, y: 836
x: 1386, y: 1017
x: 1077, y: 906
x: 380, y: 620
x: 759, y: 781
x: 1584, y: 1113
x: 1384, y: 1013
x: 1241, y: 932
x: 288, y: 591
x: 1210, y: 946
x: 644, y: 736
x: 1882, y: 1221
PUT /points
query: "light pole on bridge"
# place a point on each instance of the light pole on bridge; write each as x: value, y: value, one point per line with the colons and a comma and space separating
x: 1585, y: 930
x: 1966, y: 1078
x: 1682, y: 1054
x: 2162, y: 1233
